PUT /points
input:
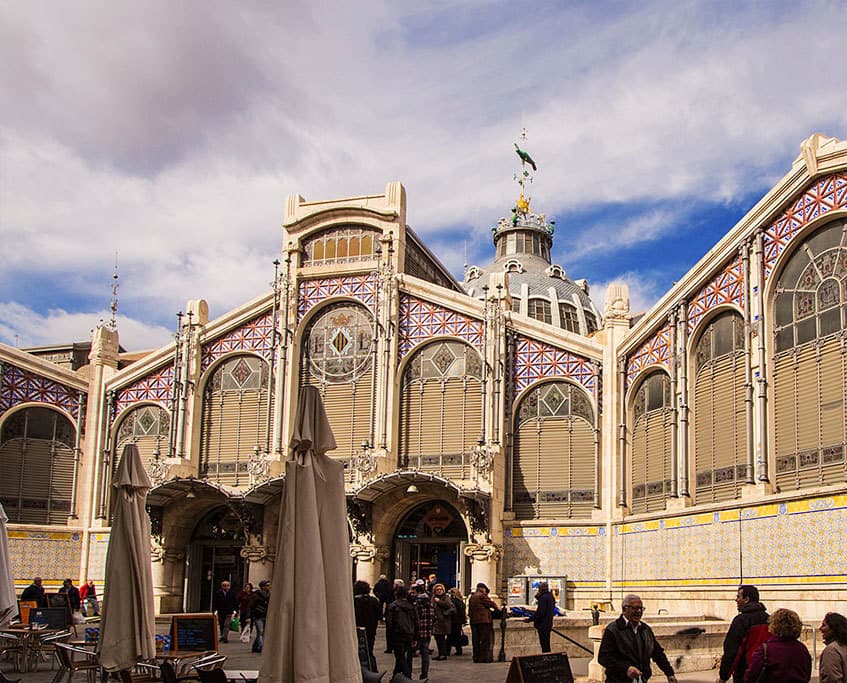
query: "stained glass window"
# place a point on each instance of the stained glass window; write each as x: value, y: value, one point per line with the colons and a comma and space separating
x: 339, y: 344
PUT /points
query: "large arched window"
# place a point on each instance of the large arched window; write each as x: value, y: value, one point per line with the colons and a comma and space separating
x: 337, y: 359
x: 37, y: 461
x: 146, y: 426
x: 441, y: 408
x: 810, y: 362
x: 652, y: 414
x: 553, y: 470
x: 720, y: 417
x: 235, y: 420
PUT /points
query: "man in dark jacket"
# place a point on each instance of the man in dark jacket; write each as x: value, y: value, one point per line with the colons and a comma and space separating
x: 746, y: 632
x: 225, y: 603
x: 628, y: 645
x: 72, y: 591
x: 259, y: 613
x: 401, y: 626
x: 480, y: 609
x: 366, y: 607
x: 35, y: 592
x: 543, y: 617
x: 383, y: 592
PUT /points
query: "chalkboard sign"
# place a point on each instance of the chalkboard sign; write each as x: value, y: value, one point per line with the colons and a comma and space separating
x: 547, y: 668
x: 51, y: 617
x: 60, y: 600
x: 195, y: 632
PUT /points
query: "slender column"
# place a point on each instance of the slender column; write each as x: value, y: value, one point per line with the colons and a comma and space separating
x: 596, y: 369
x: 183, y: 398
x: 272, y: 360
x: 175, y: 388
x: 682, y: 328
x: 744, y: 251
x: 674, y: 361
x: 105, y: 457
x: 80, y: 421
x: 510, y: 441
x: 282, y: 377
x: 762, y: 380
x: 622, y: 432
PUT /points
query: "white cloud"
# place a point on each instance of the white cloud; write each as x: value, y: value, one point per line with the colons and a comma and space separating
x: 22, y: 327
x: 172, y: 134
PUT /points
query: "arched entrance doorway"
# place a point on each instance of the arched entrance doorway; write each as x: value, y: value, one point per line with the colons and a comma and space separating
x: 431, y: 539
x: 214, y: 555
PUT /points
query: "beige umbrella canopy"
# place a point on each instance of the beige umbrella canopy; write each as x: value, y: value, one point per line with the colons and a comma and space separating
x: 127, y: 628
x: 8, y: 604
x: 311, y: 628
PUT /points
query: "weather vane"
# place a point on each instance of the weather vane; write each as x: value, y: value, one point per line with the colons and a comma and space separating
x: 523, y: 177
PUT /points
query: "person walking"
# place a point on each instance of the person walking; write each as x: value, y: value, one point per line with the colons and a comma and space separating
x: 383, y: 593
x: 748, y: 630
x: 259, y: 613
x: 366, y: 607
x: 542, y: 619
x: 243, y: 599
x: 782, y: 657
x: 628, y: 645
x: 457, y: 621
x: 224, y: 603
x: 833, y: 662
x: 426, y: 617
x: 401, y: 626
x: 442, y: 623
x: 480, y: 609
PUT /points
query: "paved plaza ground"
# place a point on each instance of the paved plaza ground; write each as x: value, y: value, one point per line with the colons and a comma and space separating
x: 453, y: 669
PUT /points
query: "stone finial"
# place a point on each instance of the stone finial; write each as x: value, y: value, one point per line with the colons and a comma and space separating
x: 199, y: 310
x: 104, y: 346
x: 617, y: 302
x: 810, y: 150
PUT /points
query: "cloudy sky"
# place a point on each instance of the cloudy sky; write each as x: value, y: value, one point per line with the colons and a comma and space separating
x: 171, y: 133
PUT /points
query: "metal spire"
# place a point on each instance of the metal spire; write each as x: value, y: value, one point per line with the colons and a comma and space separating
x: 113, y: 323
x: 524, y: 176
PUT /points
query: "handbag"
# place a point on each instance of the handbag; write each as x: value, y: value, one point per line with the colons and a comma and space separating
x: 463, y: 640
x: 763, y: 674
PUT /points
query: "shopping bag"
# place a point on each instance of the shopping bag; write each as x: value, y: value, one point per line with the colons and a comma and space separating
x: 235, y: 624
x: 246, y: 634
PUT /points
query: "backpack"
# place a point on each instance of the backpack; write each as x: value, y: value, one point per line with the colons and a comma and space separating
x: 401, y: 621
x: 757, y: 635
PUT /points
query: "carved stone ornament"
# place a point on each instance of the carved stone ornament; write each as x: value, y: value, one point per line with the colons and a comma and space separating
x: 383, y: 552
x: 482, y: 459
x: 483, y: 552
x: 258, y: 468
x: 160, y: 553
x: 158, y: 470
x: 256, y: 553
x: 617, y: 302
x: 810, y: 150
x: 363, y: 553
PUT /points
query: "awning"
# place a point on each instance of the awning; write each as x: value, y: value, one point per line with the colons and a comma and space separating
x: 386, y: 483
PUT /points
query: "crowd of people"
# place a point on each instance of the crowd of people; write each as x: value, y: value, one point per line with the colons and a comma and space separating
x: 758, y: 647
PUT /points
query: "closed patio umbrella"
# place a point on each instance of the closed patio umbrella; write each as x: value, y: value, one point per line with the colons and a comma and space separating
x: 8, y: 604
x: 127, y: 627
x: 311, y: 627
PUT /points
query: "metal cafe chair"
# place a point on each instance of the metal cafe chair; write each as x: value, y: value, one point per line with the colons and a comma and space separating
x: 41, y: 645
x: 12, y: 648
x: 209, y: 662
x: 73, y: 660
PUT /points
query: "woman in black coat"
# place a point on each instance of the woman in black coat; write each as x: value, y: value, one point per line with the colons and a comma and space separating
x: 458, y: 619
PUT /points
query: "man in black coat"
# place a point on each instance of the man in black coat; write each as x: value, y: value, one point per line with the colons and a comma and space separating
x: 543, y: 617
x: 628, y: 645
x: 225, y: 603
x: 367, y: 610
x: 384, y: 593
x: 752, y: 618
x: 35, y: 592
x: 73, y: 594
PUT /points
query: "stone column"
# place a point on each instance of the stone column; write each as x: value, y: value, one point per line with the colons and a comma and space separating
x: 369, y: 559
x: 168, y: 573
x: 484, y: 558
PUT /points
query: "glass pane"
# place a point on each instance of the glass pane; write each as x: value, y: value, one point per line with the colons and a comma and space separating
x: 785, y: 338
x: 825, y: 238
x: 330, y: 249
x: 341, y: 250
x: 793, y: 268
x: 318, y: 250
x: 354, y: 246
x: 367, y: 245
x: 830, y: 321
x: 806, y: 330
x: 828, y: 294
x: 783, y: 308
x: 804, y: 305
x: 723, y: 336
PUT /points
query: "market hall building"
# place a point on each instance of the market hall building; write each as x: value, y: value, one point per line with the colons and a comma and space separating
x: 502, y: 426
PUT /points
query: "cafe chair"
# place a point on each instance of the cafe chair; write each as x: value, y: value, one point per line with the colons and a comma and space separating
x: 73, y: 660
x: 12, y: 648
x: 4, y: 679
x: 169, y: 674
x: 212, y: 676
x: 209, y: 662
x: 42, y: 646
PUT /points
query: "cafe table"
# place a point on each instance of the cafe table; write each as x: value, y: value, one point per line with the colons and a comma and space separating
x: 240, y: 676
x: 31, y: 639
